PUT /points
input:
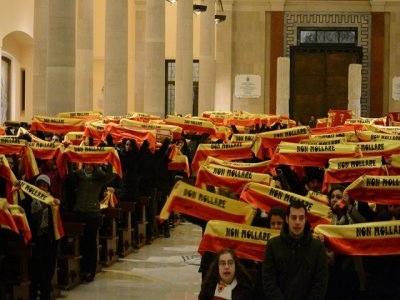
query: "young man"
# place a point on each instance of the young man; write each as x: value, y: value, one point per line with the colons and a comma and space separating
x: 295, y: 264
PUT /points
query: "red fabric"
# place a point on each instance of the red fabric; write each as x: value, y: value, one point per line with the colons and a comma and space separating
x: 348, y: 175
x: 338, y: 117
x: 242, y: 249
x: 7, y: 221
x: 23, y: 227
x: 55, y: 128
x: 224, y: 154
x: 196, y: 209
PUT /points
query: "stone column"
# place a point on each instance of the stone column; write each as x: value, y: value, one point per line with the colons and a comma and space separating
x: 140, y: 23
x: 283, y: 86
x: 154, y: 76
x: 61, y: 57
x: 40, y: 42
x: 84, y: 56
x: 207, y: 58
x: 2, y: 115
x: 116, y: 58
x: 223, y: 67
x: 184, y: 58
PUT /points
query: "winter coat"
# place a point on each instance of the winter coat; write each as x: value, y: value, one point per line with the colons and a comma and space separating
x: 295, y: 269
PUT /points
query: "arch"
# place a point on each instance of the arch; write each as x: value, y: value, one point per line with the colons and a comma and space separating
x: 16, y: 47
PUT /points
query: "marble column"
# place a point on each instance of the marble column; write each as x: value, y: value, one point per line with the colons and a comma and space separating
x: 40, y: 42
x: 140, y: 23
x: 61, y: 57
x: 154, y: 76
x: 184, y: 58
x: 223, y: 58
x: 207, y: 58
x: 84, y: 56
x: 116, y: 58
x: 283, y: 86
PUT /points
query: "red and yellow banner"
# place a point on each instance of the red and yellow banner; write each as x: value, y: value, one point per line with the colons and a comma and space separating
x: 376, y: 189
x: 243, y: 137
x: 205, y: 205
x: 159, y: 128
x: 45, y: 150
x: 271, y: 139
x: 57, y: 125
x: 235, y: 180
x: 367, y: 136
x: 327, y: 141
x: 231, y: 151
x: 260, y: 167
x: 338, y: 117
x: 21, y: 222
x: 192, y: 125
x: 39, y: 195
x: 248, y: 241
x: 318, y: 197
x: 74, y: 138
x: 6, y: 219
x: 367, y: 239
x: 95, y: 131
x: 109, y: 200
x: 84, y: 115
x: 264, y: 197
x: 393, y: 165
x: 178, y: 161
x: 349, y: 169
x: 382, y: 129
x: 13, y: 145
x: 89, y: 154
x: 312, y: 155
x: 10, y: 178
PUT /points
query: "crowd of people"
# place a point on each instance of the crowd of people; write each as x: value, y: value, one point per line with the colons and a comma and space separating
x: 297, y: 263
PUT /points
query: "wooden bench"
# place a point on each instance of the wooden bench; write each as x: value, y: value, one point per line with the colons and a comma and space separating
x: 68, y: 273
x: 142, y: 205
x: 16, y: 268
x: 125, y: 230
x: 108, y: 237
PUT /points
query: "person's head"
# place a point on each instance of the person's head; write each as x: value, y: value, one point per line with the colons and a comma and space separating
x: 314, y: 179
x: 335, y: 197
x: 394, y: 210
x: 43, y: 182
x: 276, y: 218
x: 129, y: 145
x: 88, y: 168
x: 296, y: 218
x: 56, y: 138
x: 227, y: 261
x: 280, y: 181
x: 11, y: 161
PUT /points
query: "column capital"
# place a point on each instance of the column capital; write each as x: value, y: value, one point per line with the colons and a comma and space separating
x: 257, y: 5
x: 378, y: 5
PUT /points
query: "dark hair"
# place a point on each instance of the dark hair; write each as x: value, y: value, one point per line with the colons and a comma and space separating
x: 275, y: 211
x: 296, y: 204
x: 210, y: 281
x: 335, y: 188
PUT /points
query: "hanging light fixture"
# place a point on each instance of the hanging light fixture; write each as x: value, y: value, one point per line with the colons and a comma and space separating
x: 172, y: 1
x: 199, y: 8
x: 218, y: 16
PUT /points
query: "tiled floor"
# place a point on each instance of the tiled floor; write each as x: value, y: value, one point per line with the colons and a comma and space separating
x: 165, y: 270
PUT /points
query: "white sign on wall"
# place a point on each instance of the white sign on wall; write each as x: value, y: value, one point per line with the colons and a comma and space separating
x: 247, y: 86
x: 396, y: 88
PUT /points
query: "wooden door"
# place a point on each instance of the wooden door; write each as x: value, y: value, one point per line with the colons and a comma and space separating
x: 319, y: 80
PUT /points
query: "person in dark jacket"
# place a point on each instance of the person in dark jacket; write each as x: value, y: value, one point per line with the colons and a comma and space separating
x: 88, y: 183
x: 295, y: 264
x: 226, y: 279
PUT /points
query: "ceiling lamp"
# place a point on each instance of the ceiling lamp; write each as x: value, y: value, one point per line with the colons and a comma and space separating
x: 199, y: 8
x: 219, y: 18
x: 220, y: 9
x: 172, y: 1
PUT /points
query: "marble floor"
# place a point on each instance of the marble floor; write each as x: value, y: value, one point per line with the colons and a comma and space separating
x: 164, y: 270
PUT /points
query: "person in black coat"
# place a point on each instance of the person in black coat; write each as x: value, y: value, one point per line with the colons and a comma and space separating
x: 295, y: 264
x: 226, y: 279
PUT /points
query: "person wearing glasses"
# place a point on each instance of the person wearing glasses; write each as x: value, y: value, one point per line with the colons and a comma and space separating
x: 295, y: 264
x: 226, y: 279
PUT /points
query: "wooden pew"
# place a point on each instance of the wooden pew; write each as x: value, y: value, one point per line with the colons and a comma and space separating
x: 125, y: 230
x: 142, y: 205
x: 68, y: 273
x: 108, y: 237
x: 16, y: 267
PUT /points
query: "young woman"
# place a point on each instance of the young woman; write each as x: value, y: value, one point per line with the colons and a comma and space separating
x: 226, y: 279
